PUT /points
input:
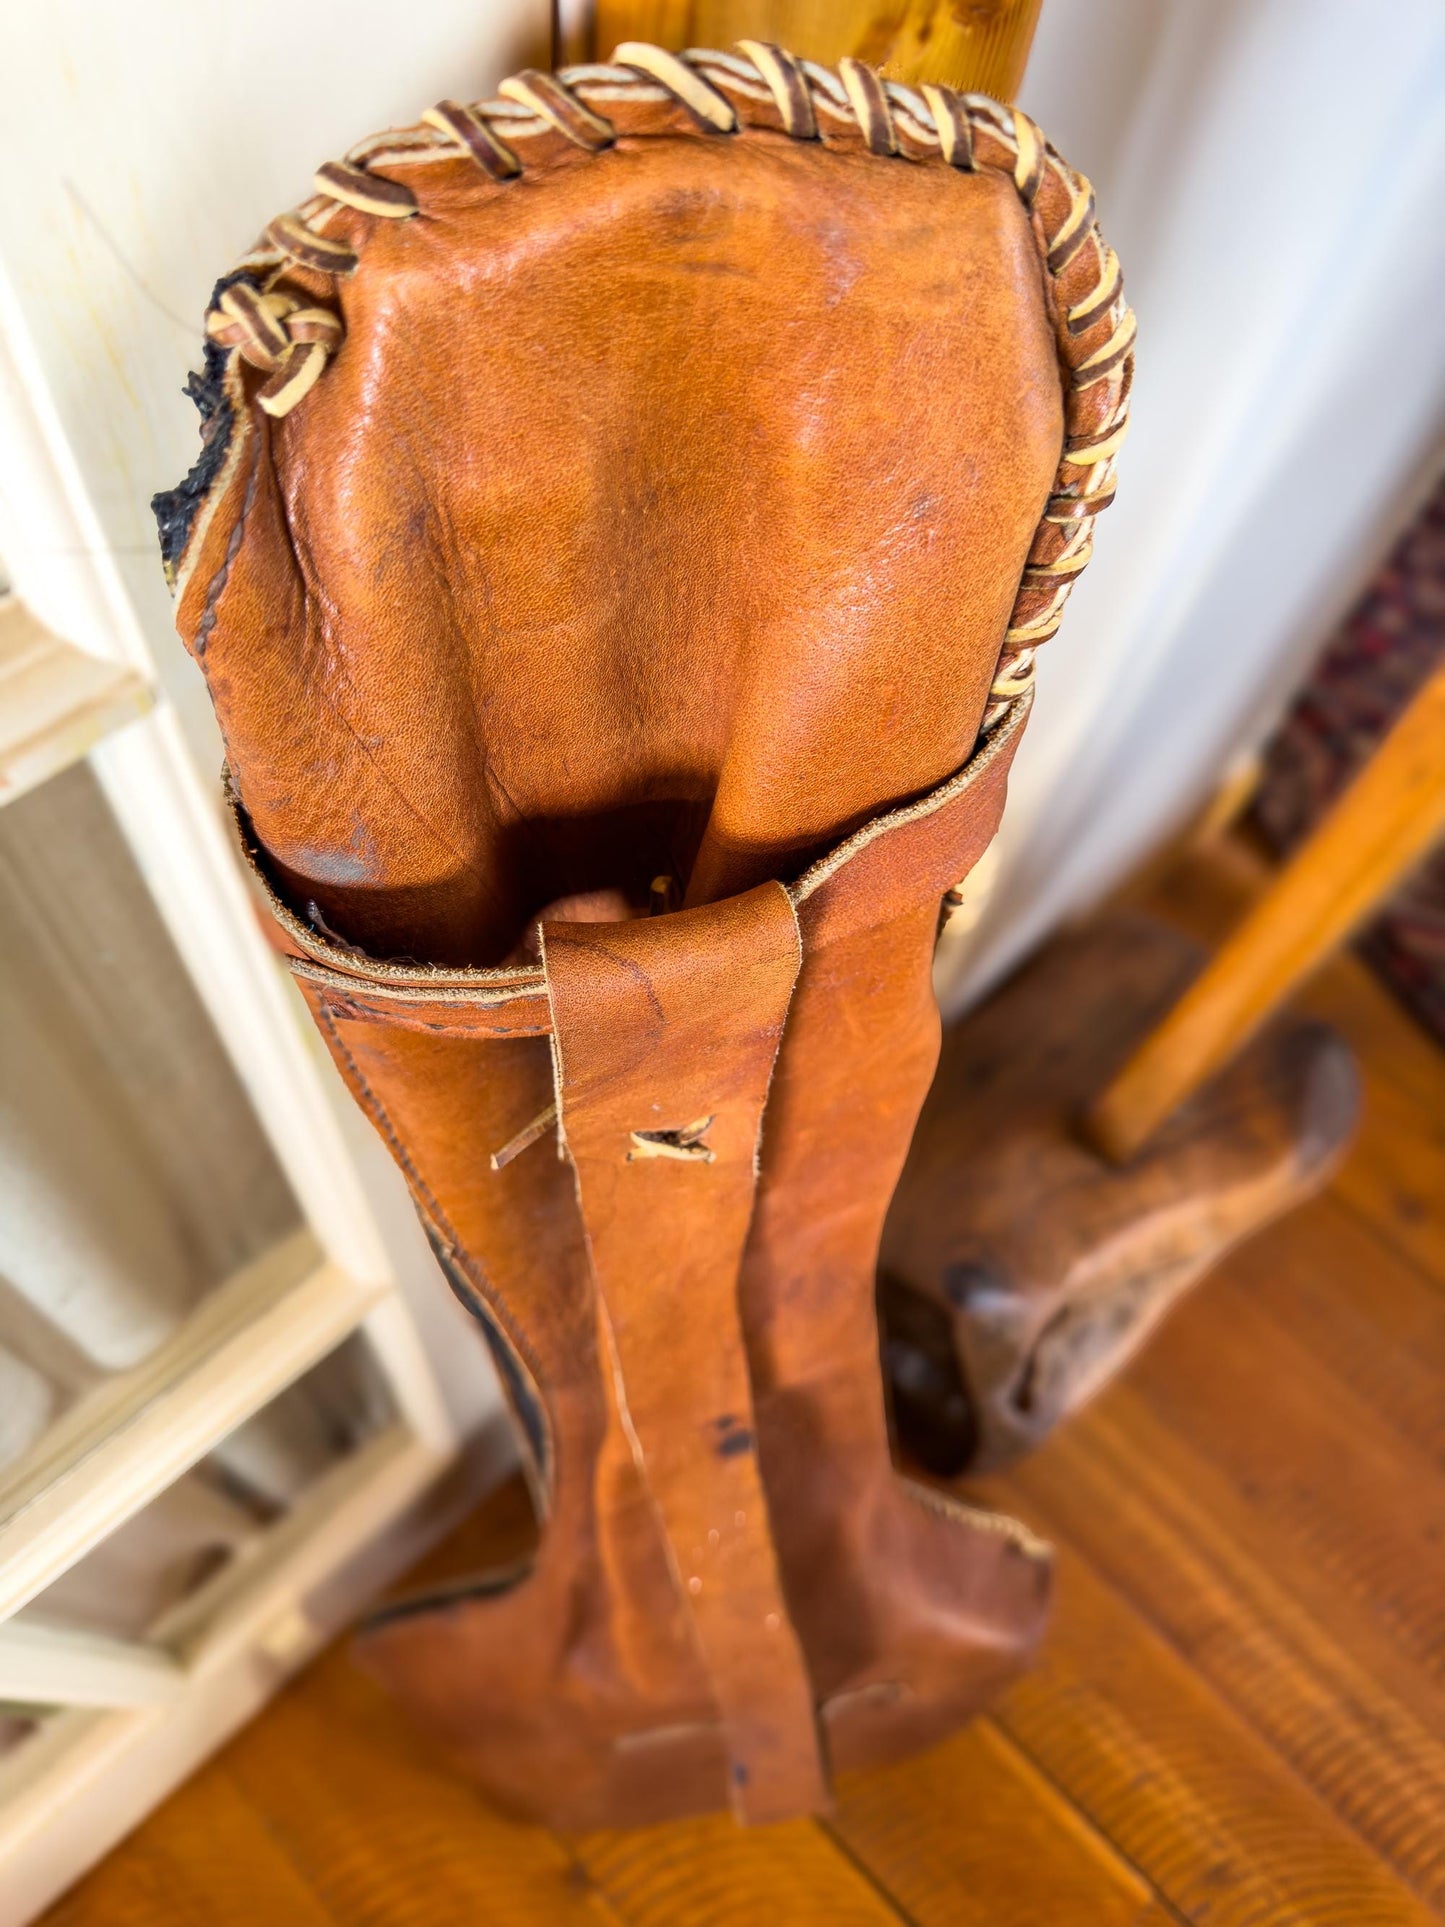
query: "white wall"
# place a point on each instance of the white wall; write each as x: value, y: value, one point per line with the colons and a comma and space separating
x: 1271, y: 173
x: 144, y: 146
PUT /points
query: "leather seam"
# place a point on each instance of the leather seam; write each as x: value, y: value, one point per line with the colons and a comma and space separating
x: 475, y: 1277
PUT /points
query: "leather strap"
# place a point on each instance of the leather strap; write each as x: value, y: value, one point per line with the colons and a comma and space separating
x: 666, y: 1030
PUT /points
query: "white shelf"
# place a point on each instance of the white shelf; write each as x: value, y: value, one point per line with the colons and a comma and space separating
x: 56, y: 702
x: 72, y: 1788
x: 71, y: 1791
x: 132, y: 1436
x: 54, y: 1666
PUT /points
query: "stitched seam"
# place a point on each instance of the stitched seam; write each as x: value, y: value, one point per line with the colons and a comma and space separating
x: 474, y: 1274
x: 998, y: 1524
x: 216, y: 587
x: 481, y: 989
x: 977, y: 766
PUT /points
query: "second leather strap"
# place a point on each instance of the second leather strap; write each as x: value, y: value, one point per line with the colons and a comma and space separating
x: 666, y: 1031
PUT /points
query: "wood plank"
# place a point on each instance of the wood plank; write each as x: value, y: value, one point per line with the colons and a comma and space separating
x: 1226, y: 1611
x: 382, y: 1830
x: 1244, y: 1515
x: 982, y: 47
x: 1329, y: 1485
x: 207, y: 1859
x: 972, y: 1835
x: 1199, y: 1803
x: 711, y: 1870
x: 1364, y: 1312
x: 1394, y: 1177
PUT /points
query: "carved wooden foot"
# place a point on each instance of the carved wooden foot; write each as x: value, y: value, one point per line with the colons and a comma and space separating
x: 1019, y: 1269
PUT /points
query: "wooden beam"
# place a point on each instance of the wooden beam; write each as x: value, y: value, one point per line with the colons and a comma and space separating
x: 981, y: 48
x: 1381, y: 826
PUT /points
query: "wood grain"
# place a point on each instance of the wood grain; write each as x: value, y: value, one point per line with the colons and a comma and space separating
x: 1238, y: 1716
x: 1383, y: 823
x: 1036, y: 1859
x: 382, y: 1831
x: 1180, y: 1783
x: 710, y: 1870
x: 213, y: 1864
x: 1386, y: 1340
x: 1228, y: 1610
x: 1332, y: 1482
x: 982, y: 47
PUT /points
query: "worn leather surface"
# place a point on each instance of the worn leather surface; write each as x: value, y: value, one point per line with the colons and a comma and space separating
x: 660, y: 518
x: 743, y: 453
x: 666, y: 1034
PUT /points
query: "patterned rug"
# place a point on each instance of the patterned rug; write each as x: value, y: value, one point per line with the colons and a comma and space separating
x: 1369, y: 670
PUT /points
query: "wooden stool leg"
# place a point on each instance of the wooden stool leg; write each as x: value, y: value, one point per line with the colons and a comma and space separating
x: 1383, y: 824
x: 1021, y: 1270
x: 1025, y: 1260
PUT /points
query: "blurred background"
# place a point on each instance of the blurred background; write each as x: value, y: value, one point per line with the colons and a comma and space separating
x: 1271, y: 174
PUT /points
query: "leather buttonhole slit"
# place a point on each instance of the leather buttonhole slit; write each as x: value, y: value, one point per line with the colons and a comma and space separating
x: 685, y: 1143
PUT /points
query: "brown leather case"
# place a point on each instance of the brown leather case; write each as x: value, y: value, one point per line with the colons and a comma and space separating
x: 627, y: 514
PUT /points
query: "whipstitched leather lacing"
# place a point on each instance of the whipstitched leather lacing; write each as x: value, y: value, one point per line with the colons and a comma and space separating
x: 288, y: 334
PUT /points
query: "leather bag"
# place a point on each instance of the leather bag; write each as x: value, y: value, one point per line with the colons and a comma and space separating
x: 627, y: 512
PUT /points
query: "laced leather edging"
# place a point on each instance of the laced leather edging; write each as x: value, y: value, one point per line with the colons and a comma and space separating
x: 274, y: 315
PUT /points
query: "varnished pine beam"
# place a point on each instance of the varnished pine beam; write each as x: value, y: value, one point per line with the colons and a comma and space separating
x: 979, y: 48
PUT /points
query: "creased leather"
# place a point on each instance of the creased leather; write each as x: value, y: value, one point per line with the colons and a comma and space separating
x: 582, y: 1693
x: 658, y: 520
x: 666, y: 1031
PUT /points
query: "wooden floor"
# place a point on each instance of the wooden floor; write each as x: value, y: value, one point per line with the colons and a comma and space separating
x: 1238, y: 1717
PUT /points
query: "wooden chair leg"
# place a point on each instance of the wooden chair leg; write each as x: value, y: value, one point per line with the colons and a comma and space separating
x: 1379, y: 828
